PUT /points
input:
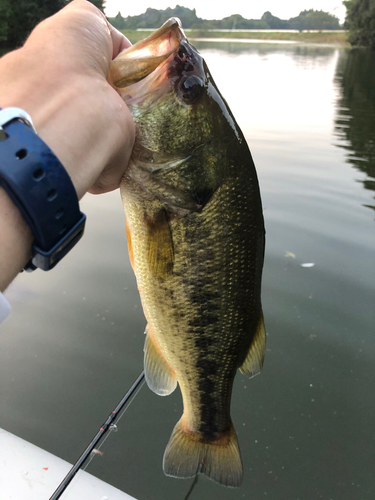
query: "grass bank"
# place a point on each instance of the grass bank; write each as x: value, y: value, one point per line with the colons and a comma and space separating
x: 312, y: 37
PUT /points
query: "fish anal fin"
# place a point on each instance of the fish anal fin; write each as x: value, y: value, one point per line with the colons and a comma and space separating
x: 159, y: 376
x: 254, y: 360
x: 159, y: 244
x: 186, y: 456
x: 129, y: 242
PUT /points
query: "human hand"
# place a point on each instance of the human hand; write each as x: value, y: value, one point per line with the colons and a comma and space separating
x: 60, y: 78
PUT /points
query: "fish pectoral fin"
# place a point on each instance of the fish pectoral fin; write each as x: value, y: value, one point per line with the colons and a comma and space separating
x: 169, y: 195
x: 159, y: 376
x: 159, y: 245
x: 254, y: 360
x: 187, y: 456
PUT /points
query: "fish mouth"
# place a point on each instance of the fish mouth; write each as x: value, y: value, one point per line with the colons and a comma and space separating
x: 153, y: 66
x: 139, y: 60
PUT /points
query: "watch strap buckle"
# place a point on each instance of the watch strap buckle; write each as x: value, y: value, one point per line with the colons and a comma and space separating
x: 47, y: 260
x: 9, y: 114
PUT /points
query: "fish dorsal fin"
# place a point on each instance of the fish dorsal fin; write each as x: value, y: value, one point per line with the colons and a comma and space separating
x: 254, y: 360
x: 159, y: 245
x: 159, y: 377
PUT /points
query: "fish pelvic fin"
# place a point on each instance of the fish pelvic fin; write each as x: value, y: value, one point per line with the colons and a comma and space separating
x: 255, y: 357
x: 186, y: 456
x: 159, y: 376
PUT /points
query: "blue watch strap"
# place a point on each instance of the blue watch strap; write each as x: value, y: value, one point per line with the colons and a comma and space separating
x: 40, y: 187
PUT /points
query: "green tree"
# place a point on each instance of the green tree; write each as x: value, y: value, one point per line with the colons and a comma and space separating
x: 118, y: 21
x: 360, y: 21
x: 4, y: 13
x: 274, y: 23
x: 314, y: 20
x: 236, y: 21
x: 19, y: 17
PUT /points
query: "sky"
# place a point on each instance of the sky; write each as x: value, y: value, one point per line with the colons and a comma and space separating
x: 213, y: 9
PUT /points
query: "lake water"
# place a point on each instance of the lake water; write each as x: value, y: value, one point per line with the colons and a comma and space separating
x: 73, y: 344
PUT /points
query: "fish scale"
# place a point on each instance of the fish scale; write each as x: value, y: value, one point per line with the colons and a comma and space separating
x: 196, y: 241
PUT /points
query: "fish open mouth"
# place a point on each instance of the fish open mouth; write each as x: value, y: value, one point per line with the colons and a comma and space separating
x: 141, y: 59
x: 153, y: 66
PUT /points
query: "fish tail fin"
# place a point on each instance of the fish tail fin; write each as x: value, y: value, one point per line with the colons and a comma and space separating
x: 186, y: 456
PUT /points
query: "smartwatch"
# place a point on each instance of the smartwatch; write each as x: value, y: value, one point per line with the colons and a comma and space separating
x: 40, y: 187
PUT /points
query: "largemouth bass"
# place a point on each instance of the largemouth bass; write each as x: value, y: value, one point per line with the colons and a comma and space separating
x: 195, y: 235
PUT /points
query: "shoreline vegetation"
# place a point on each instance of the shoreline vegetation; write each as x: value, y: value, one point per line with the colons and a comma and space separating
x: 310, y: 26
x: 324, y: 37
x: 17, y: 19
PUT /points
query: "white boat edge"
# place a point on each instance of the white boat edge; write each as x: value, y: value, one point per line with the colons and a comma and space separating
x: 28, y: 472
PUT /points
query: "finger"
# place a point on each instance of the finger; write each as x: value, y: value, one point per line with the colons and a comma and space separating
x: 109, y: 180
x: 122, y: 139
x: 119, y: 41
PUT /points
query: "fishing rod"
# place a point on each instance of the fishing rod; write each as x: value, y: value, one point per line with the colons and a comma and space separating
x: 103, y: 429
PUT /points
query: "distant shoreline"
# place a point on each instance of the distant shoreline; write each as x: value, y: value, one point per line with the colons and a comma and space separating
x: 336, y: 37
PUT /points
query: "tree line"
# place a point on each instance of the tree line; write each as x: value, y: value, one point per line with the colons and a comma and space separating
x: 18, y: 18
x: 153, y: 18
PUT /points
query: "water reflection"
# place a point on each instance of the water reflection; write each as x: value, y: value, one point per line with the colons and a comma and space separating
x: 261, y: 48
x: 355, y: 118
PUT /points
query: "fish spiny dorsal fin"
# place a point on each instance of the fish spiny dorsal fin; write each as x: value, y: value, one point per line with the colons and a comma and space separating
x: 186, y: 456
x: 159, y: 376
x: 254, y: 360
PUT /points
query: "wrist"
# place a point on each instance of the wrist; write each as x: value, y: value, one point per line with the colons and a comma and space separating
x: 15, y: 241
x: 41, y: 189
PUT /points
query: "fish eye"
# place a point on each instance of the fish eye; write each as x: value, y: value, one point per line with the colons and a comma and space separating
x: 190, y: 88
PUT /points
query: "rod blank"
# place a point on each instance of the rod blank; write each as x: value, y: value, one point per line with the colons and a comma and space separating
x: 103, y: 429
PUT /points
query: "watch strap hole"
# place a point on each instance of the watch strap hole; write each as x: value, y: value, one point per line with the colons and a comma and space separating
x: 52, y: 194
x: 59, y: 214
x: 39, y: 174
x: 21, y: 154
